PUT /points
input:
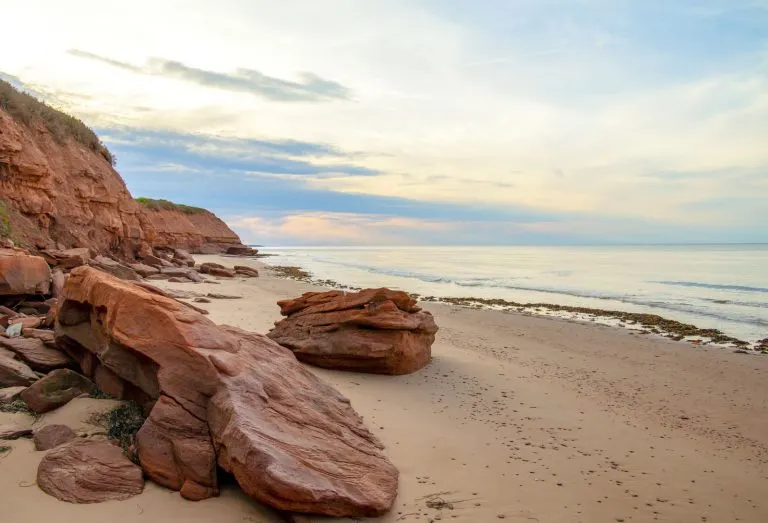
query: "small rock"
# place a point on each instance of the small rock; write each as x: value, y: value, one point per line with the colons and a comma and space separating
x: 56, y: 389
x: 14, y: 432
x: 88, y: 471
x: 52, y: 436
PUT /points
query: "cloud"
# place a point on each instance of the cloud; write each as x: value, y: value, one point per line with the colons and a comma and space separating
x: 309, y: 88
x: 138, y: 149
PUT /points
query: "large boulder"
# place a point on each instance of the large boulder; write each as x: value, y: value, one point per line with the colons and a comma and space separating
x: 21, y: 273
x: 88, y: 471
x: 375, y: 330
x: 35, y: 353
x: 56, y: 389
x: 289, y: 439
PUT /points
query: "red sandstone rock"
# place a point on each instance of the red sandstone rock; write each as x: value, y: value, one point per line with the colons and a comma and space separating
x: 52, y: 436
x: 175, y: 451
x: 12, y: 431
x: 248, y: 272
x: 201, y: 232
x: 68, y: 258
x: 56, y: 389
x: 144, y: 270
x: 88, y: 471
x: 21, y: 273
x: 215, y: 269
x: 155, y: 261
x: 114, y: 268
x: 182, y: 258
x: 65, y: 190
x: 290, y: 440
x: 374, y: 330
x: 13, y: 372
x: 27, y: 322
x: 36, y: 354
x: 62, y: 193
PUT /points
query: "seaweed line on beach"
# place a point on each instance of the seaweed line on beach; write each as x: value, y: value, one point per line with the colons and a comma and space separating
x: 650, y: 323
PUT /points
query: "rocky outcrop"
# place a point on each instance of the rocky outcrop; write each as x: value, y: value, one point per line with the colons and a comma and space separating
x: 289, y: 439
x: 88, y: 471
x: 198, y: 231
x: 59, y: 190
x: 63, y: 193
x: 374, y: 330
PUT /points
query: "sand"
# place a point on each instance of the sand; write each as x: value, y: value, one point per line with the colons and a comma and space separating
x: 517, y: 417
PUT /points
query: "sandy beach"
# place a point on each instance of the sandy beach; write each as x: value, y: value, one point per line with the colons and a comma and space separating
x: 517, y: 417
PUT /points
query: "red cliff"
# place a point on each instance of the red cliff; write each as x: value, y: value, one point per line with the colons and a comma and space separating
x: 192, y: 228
x: 58, y: 188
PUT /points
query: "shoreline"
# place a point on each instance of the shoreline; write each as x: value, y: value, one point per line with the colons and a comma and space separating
x: 517, y: 417
x: 651, y: 324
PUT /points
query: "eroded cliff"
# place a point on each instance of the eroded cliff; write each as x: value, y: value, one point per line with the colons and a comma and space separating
x: 58, y: 188
x: 192, y: 228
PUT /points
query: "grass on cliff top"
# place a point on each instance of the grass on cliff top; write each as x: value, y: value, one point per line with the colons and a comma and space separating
x: 27, y: 110
x: 166, y: 205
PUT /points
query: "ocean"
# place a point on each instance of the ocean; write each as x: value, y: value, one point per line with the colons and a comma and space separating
x: 711, y: 286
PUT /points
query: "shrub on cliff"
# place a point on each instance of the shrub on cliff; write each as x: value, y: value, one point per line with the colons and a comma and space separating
x: 166, y: 205
x: 27, y: 110
x: 5, y: 220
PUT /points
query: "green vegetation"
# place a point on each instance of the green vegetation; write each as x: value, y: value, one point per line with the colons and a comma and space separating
x: 27, y: 110
x: 123, y: 422
x: 166, y: 205
x: 293, y: 273
x: 5, y: 220
x: 18, y: 406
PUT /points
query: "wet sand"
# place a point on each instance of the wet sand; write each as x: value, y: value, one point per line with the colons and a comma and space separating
x: 517, y: 417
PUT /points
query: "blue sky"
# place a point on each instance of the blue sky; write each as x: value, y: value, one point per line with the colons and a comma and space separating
x: 424, y: 121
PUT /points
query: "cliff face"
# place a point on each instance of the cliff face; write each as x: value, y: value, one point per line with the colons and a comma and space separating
x: 65, y: 193
x: 198, y: 232
x: 58, y: 189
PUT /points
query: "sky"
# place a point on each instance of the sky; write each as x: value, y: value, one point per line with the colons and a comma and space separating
x: 397, y: 122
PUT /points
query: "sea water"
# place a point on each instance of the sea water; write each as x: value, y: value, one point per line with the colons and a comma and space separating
x: 711, y: 286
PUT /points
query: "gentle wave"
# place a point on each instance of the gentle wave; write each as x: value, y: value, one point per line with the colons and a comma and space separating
x: 743, y: 288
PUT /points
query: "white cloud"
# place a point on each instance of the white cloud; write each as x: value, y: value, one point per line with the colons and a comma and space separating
x: 439, y: 104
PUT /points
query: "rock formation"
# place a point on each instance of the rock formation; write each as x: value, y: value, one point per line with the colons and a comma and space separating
x: 225, y: 396
x: 62, y: 191
x: 59, y: 190
x: 374, y: 330
x: 193, y: 229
